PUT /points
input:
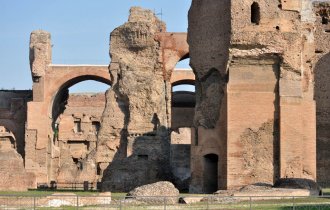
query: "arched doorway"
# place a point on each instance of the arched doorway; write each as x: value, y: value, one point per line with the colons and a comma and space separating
x: 322, y: 98
x: 210, y: 173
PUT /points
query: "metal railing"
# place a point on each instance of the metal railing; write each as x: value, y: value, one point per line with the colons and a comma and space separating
x: 73, y: 186
x: 182, y: 202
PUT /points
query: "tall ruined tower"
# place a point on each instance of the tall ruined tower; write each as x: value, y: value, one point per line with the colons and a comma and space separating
x: 134, y: 135
x: 36, y: 134
x: 255, y: 113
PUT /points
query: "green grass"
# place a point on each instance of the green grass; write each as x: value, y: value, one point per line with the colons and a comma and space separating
x: 272, y: 204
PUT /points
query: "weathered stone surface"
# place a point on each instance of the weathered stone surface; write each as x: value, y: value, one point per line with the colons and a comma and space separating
x: 138, y: 100
x: 40, y: 52
x: 261, y: 190
x: 70, y: 199
x: 58, y: 133
x: 252, y: 61
x: 255, y: 64
x: 50, y: 97
x: 13, y: 108
x: 210, y: 69
x: 296, y: 183
x: 158, y: 192
x: 146, y: 164
x: 259, y: 150
x: 12, y: 172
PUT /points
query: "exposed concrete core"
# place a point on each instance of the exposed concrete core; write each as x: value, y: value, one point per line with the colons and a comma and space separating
x: 139, y: 96
x: 40, y: 53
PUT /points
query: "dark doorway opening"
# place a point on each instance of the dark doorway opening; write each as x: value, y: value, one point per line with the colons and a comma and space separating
x: 210, y: 173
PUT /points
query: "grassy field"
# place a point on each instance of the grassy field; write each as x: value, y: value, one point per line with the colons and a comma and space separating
x: 326, y: 192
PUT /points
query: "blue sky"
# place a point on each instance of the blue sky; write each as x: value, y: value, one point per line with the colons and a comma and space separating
x: 80, y: 32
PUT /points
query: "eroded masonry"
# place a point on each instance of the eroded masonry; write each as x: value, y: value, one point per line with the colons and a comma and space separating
x: 260, y: 111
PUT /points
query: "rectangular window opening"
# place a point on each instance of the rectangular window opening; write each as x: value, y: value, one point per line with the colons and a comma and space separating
x: 77, y: 126
x: 143, y: 157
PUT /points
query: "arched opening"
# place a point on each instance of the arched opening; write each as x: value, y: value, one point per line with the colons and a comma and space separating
x: 255, y: 13
x: 183, y: 95
x: 183, y: 63
x: 182, y: 115
x: 210, y: 173
x: 322, y: 98
x: 77, y: 109
x: 87, y: 86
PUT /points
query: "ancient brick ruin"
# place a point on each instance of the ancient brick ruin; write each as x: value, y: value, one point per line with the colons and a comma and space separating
x: 260, y: 112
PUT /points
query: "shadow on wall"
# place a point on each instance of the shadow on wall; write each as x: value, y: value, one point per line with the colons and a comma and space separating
x: 322, y: 98
x: 147, y: 161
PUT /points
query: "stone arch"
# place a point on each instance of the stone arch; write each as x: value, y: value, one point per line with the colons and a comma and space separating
x: 178, y: 81
x: 174, y: 48
x: 41, y: 118
x: 56, y: 104
x: 58, y: 92
x: 322, y: 99
x: 185, y: 56
x: 183, y: 97
x: 180, y: 77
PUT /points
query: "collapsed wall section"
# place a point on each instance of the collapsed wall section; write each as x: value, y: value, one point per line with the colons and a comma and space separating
x: 13, y: 107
